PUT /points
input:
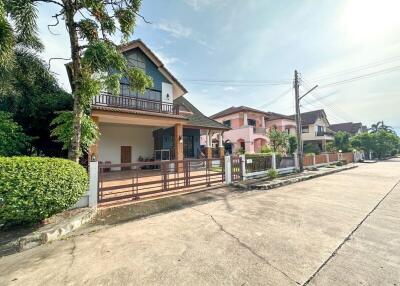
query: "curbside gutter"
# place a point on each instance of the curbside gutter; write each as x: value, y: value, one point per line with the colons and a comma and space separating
x: 283, y: 182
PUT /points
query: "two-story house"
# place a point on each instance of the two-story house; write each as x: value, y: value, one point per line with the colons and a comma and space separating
x: 159, y: 124
x: 315, y: 129
x: 249, y: 127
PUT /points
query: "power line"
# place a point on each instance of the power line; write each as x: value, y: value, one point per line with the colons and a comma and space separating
x: 331, y: 108
x: 276, y: 98
x: 238, y: 82
x: 357, y: 69
x: 368, y: 75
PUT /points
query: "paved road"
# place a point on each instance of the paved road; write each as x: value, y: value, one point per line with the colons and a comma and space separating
x: 342, y: 229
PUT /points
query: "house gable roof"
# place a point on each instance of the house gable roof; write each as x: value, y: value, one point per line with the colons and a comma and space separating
x: 310, y: 117
x: 149, y: 53
x: 348, y: 127
x: 234, y: 109
x: 196, y: 118
x: 181, y: 90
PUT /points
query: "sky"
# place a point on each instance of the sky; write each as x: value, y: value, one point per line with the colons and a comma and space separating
x: 233, y: 52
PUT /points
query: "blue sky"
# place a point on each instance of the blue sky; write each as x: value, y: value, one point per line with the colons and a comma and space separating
x: 247, y: 45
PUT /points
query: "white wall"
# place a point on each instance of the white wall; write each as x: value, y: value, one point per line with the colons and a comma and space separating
x: 113, y: 136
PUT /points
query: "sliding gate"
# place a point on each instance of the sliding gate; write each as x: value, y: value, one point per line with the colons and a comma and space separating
x: 119, y: 183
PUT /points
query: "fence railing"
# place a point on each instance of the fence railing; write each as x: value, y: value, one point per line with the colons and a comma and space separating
x: 133, y: 181
x: 258, y: 163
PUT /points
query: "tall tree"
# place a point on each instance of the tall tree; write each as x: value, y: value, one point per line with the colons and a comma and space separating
x: 96, y: 62
x: 33, y: 97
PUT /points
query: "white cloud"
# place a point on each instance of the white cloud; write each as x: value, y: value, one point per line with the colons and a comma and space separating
x: 175, y: 29
x: 229, y: 88
x: 200, y: 4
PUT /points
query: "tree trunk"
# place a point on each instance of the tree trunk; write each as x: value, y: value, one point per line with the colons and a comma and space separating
x: 74, y: 152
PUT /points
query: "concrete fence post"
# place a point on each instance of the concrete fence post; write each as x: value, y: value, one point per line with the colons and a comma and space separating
x: 243, y: 165
x: 273, y: 163
x: 313, y: 160
x: 327, y: 158
x: 228, y: 170
x: 93, y: 183
x: 296, y: 160
x: 370, y: 155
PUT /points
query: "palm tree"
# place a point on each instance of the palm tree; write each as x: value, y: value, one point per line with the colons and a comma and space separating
x: 380, y: 125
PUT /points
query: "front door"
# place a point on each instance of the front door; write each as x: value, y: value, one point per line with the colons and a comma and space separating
x: 188, y: 147
x: 126, y: 156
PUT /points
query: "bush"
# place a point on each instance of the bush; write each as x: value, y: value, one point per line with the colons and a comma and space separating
x: 265, y: 149
x: 34, y: 188
x: 272, y: 174
x: 393, y: 152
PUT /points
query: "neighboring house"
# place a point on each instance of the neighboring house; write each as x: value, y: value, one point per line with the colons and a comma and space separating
x: 349, y: 127
x: 249, y: 127
x: 157, y: 125
x: 315, y: 129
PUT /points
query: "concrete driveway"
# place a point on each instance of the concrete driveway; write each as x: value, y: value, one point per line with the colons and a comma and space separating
x: 341, y: 229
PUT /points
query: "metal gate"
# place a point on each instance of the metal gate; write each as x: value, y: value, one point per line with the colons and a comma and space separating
x: 120, y: 183
x: 236, y: 166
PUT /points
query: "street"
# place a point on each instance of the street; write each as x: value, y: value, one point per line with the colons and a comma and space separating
x: 340, y: 229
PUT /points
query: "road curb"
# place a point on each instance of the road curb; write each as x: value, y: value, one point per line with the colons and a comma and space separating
x: 283, y: 182
x: 49, y: 233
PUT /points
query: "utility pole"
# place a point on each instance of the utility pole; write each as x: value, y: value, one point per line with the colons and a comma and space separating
x: 298, y: 121
x: 298, y: 118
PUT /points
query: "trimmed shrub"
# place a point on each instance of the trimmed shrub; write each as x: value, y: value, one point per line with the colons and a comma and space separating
x: 272, y: 174
x: 35, y: 188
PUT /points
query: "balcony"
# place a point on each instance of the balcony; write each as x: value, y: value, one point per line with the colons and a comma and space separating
x: 135, y: 103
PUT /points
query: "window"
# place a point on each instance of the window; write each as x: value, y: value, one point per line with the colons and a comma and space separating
x: 320, y: 130
x: 304, y: 129
x: 227, y: 123
x: 251, y: 122
x: 287, y: 130
x: 136, y: 59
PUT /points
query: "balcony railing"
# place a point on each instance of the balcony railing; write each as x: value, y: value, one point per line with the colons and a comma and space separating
x: 136, y: 103
x: 260, y: 130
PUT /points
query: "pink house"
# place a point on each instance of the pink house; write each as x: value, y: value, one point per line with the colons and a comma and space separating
x: 249, y: 127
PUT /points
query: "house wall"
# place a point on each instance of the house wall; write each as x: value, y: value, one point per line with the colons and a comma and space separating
x: 237, y: 119
x: 114, y: 136
x: 313, y: 128
x: 281, y: 125
x: 151, y: 69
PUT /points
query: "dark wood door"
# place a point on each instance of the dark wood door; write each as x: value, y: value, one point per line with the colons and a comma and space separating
x: 126, y: 156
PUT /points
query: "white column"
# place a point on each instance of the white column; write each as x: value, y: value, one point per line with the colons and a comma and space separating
x: 263, y: 122
x: 208, y: 139
x: 220, y: 137
x: 327, y: 158
x: 313, y: 159
x: 273, y: 163
x: 245, y: 119
x: 93, y: 183
x: 228, y: 170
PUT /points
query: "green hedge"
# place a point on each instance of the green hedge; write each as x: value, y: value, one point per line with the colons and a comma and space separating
x: 34, y: 188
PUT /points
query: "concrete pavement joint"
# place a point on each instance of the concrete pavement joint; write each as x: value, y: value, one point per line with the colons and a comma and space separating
x: 348, y: 237
x: 242, y: 244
